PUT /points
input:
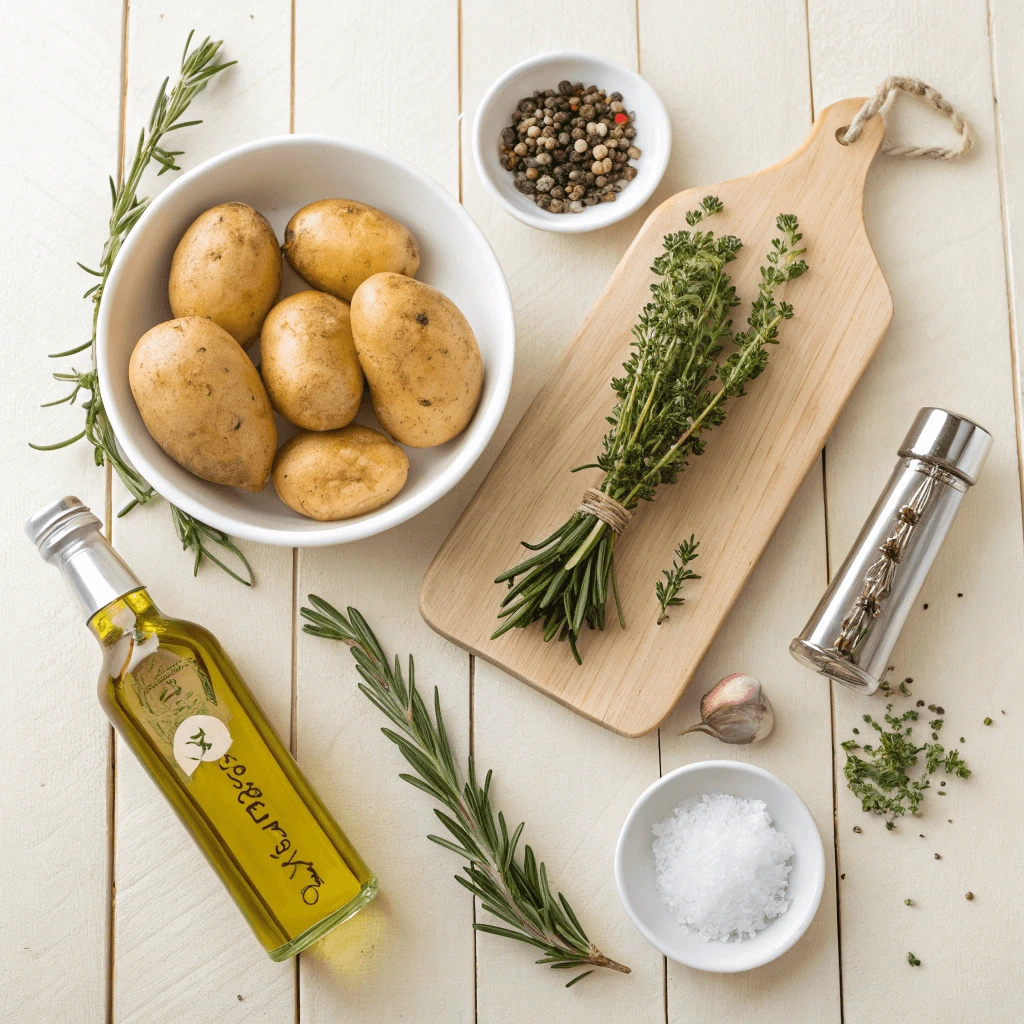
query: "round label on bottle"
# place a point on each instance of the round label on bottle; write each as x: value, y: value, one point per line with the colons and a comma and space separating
x: 200, y: 738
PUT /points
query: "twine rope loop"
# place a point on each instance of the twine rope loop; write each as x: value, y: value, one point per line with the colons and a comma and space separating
x: 608, y: 510
x: 900, y: 83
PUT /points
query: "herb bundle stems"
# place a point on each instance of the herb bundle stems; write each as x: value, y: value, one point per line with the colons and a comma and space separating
x: 674, y: 389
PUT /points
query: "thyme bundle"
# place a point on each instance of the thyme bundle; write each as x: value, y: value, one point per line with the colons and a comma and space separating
x: 198, y: 67
x: 667, y: 402
x: 516, y: 892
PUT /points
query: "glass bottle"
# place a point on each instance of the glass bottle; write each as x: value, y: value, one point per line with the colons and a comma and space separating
x: 179, y: 703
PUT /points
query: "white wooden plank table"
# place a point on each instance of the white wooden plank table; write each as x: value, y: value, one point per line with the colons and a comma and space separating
x: 109, y: 913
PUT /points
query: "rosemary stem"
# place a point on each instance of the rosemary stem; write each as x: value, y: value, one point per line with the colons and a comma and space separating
x: 588, y: 545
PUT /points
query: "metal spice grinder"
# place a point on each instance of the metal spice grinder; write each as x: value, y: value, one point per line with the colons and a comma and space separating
x: 855, y: 626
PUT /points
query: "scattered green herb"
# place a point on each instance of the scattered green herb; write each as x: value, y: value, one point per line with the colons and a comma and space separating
x: 912, y: 960
x: 514, y: 891
x: 197, y: 68
x: 676, y: 576
x: 881, y: 780
x: 667, y: 402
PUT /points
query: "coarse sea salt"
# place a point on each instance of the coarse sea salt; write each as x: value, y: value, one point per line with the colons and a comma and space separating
x: 721, y: 867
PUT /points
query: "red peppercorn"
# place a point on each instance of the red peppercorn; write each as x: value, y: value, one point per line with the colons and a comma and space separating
x: 621, y: 118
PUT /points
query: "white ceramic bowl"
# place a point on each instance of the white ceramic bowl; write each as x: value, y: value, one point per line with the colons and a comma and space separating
x: 653, y: 138
x: 634, y: 865
x: 277, y: 176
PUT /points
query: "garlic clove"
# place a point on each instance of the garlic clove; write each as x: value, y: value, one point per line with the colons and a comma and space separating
x: 735, y: 710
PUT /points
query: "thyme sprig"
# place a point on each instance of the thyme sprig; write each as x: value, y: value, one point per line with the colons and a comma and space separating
x: 674, y: 390
x: 667, y: 590
x: 881, y: 780
x: 197, y: 68
x: 513, y: 890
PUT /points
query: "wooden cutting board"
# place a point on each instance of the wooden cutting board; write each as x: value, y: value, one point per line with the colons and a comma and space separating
x: 732, y: 497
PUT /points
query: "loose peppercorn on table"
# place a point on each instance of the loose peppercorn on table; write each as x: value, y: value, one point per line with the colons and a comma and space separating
x: 110, y: 913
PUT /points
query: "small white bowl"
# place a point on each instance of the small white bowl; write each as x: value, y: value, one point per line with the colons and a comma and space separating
x: 634, y: 865
x: 653, y: 138
x: 277, y: 176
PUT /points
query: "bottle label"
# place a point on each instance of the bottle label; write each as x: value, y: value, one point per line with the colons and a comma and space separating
x: 170, y: 689
x: 200, y: 738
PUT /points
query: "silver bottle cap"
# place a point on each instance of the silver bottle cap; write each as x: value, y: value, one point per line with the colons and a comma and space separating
x: 953, y: 442
x: 57, y: 522
x: 68, y: 535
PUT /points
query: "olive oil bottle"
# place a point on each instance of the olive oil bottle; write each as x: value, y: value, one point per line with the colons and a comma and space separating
x: 179, y: 703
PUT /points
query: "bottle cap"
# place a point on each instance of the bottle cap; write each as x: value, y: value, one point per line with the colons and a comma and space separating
x: 56, y: 522
x: 70, y: 537
x: 952, y: 442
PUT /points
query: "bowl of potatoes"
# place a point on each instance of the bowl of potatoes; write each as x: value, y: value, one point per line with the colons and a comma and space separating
x: 305, y: 341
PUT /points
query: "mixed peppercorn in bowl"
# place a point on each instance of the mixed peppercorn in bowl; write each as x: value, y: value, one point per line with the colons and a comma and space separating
x: 571, y: 133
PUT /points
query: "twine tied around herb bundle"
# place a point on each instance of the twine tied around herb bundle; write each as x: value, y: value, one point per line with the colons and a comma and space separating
x: 605, y: 508
x: 915, y: 87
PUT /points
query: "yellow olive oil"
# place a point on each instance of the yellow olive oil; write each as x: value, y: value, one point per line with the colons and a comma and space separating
x: 179, y: 703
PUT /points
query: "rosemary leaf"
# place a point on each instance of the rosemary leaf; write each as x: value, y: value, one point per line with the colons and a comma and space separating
x: 198, y: 67
x: 514, y: 890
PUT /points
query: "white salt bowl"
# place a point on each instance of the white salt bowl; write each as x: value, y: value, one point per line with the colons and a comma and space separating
x: 635, y: 878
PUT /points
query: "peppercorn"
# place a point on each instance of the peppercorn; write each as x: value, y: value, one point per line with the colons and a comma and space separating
x: 572, y: 134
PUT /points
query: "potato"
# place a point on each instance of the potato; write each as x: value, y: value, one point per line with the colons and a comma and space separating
x: 309, y: 363
x: 339, y: 474
x: 420, y: 358
x: 227, y: 266
x: 204, y: 403
x: 336, y: 244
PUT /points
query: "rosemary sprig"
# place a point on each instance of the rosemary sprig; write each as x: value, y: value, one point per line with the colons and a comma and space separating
x: 675, y: 577
x: 197, y: 68
x: 881, y: 779
x: 667, y: 402
x: 514, y: 891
